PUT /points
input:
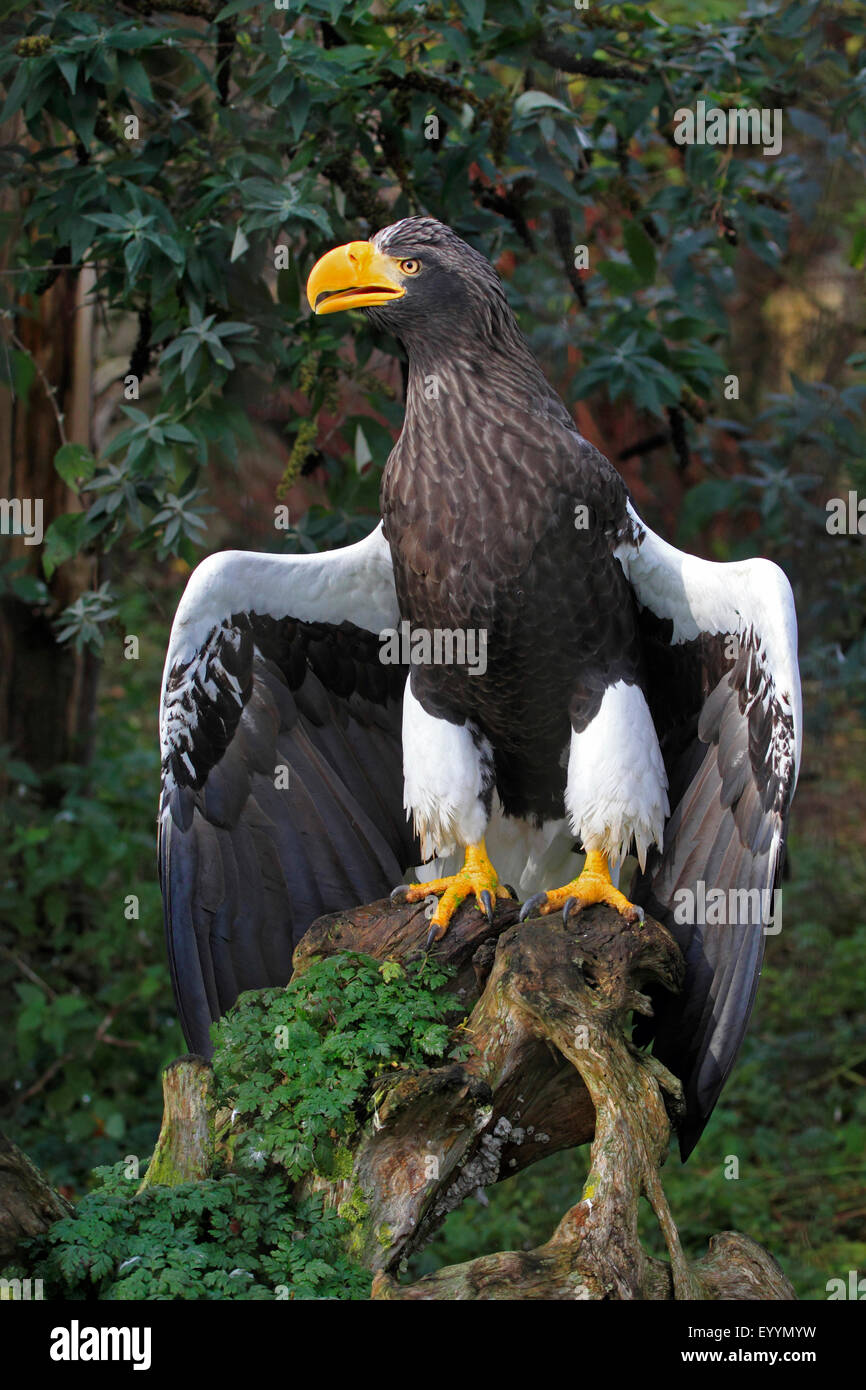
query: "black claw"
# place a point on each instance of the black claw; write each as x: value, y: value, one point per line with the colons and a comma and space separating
x: 397, y: 895
x: 531, y: 904
x: 567, y: 906
x: 487, y: 904
x: 510, y: 891
x: 431, y: 936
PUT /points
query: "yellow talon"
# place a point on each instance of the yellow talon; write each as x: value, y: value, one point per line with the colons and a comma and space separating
x: 477, y: 876
x: 592, y: 885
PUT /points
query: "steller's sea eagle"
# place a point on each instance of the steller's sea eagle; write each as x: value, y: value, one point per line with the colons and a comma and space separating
x: 631, y: 698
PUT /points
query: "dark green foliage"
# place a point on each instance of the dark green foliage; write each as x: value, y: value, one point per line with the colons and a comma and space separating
x: 239, y: 1236
x: 87, y: 1002
x: 551, y: 130
x: 297, y: 1063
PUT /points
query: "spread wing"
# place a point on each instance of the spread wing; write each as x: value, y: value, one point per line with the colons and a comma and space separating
x: 281, y: 747
x: 720, y: 646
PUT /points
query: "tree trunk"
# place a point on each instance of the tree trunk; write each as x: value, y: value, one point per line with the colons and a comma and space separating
x: 184, y: 1149
x: 46, y: 692
x: 551, y: 1066
x: 28, y: 1205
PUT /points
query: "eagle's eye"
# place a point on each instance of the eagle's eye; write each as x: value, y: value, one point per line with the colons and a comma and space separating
x: 410, y: 267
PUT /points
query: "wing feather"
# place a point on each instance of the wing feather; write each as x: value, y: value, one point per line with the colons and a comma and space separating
x: 282, y: 765
x: 720, y: 642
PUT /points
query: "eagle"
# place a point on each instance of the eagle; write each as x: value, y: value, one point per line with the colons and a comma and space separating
x: 510, y: 670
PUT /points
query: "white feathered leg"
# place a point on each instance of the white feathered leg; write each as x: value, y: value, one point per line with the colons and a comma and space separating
x: 616, y: 793
x: 447, y: 775
x: 448, y: 782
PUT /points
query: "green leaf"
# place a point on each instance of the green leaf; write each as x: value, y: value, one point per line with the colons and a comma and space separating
x: 17, y: 93
x: 288, y: 290
x: 83, y: 108
x: 168, y: 247
x: 142, y: 36
x: 704, y: 502
x: 68, y: 65
x: 135, y: 78
x: 134, y: 255
x: 64, y: 538
x: 474, y: 11
x: 641, y: 251
x: 298, y: 107
x: 239, y: 245
x: 808, y: 124
x: 180, y: 434
x: 623, y: 279
x: 533, y: 100
x: 75, y: 464
x: 23, y: 374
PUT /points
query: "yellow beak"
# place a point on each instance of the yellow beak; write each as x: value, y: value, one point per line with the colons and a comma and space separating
x: 354, y: 276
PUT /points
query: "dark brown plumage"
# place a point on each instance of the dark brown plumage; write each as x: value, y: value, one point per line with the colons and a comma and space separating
x: 479, y: 503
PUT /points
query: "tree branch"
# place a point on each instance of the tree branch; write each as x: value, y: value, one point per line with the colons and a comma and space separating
x: 561, y: 57
x: 28, y: 1204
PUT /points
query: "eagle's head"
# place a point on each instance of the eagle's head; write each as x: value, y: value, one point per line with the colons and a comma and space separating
x: 418, y: 280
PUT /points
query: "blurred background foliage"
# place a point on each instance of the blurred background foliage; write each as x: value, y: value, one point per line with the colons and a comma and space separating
x: 170, y: 172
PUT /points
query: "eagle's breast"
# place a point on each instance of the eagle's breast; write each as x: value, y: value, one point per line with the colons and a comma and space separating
x: 489, y: 540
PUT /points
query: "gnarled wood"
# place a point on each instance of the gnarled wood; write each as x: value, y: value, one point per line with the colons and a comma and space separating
x: 28, y: 1204
x: 551, y: 1067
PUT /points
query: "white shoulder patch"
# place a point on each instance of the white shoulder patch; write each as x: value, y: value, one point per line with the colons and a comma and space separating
x: 744, y: 597
x: 354, y: 584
